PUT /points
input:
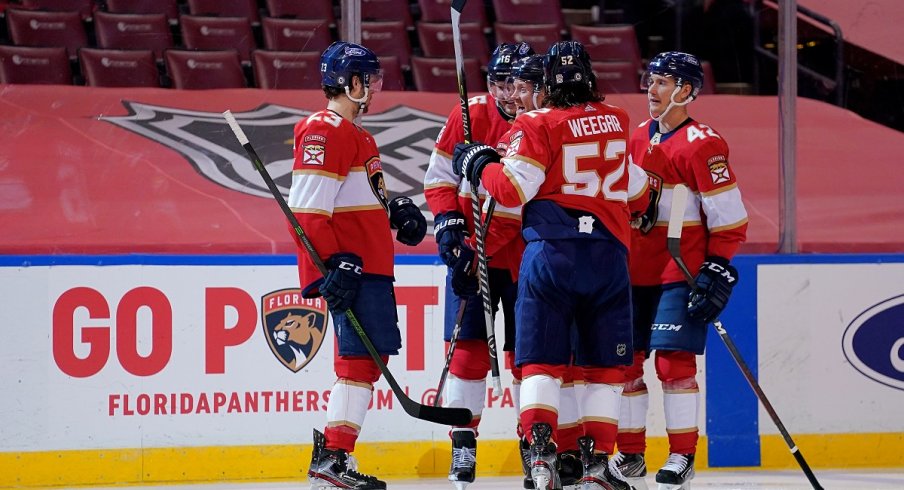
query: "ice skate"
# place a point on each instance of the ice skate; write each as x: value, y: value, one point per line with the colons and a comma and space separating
x: 464, y: 458
x: 544, y: 468
x: 571, y: 469
x: 632, y: 467
x: 677, y: 472
x: 596, y: 469
x: 524, y: 449
x: 331, y: 469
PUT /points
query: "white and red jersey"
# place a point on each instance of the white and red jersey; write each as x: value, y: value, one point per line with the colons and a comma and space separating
x: 338, y: 195
x: 447, y: 192
x: 715, y: 220
x: 574, y: 157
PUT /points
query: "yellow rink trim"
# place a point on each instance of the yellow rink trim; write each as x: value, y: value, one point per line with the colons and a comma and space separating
x: 391, y: 460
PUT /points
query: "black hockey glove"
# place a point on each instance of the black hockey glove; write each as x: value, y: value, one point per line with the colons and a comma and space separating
x: 469, y: 160
x: 450, y: 230
x: 714, y: 283
x: 407, y: 217
x: 341, y: 284
x: 464, y: 279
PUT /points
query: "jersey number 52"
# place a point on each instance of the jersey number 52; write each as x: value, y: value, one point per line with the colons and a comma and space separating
x: 588, y: 182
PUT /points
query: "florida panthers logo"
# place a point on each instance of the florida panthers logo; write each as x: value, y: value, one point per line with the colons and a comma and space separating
x: 294, y: 326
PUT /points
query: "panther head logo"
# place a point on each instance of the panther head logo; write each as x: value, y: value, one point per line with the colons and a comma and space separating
x: 294, y: 326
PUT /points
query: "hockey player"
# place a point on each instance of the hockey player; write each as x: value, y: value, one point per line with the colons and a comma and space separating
x: 673, y: 148
x: 449, y: 198
x: 566, y: 165
x: 339, y: 198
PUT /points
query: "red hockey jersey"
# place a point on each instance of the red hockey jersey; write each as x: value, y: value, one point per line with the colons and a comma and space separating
x: 338, y: 195
x: 715, y: 220
x: 574, y: 157
x: 446, y: 192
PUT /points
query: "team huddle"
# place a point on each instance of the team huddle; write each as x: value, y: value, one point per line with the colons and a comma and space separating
x: 575, y: 211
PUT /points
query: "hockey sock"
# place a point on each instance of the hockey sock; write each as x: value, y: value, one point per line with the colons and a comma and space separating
x: 345, y: 413
x: 681, y: 399
x: 465, y: 393
x: 632, y: 421
x: 570, y: 428
x: 540, y: 395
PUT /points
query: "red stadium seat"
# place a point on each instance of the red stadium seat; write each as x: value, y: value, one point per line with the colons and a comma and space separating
x: 296, y: 34
x: 225, y: 8
x: 386, y: 10
x: 539, y: 36
x: 609, y: 43
x: 119, y: 68
x: 440, y: 11
x: 35, y: 28
x: 212, y: 33
x: 25, y: 65
x: 440, y: 75
x: 169, y: 8
x: 616, y: 77
x: 709, y: 79
x: 392, y: 73
x: 133, y: 31
x: 286, y: 69
x: 436, y: 40
x: 308, y: 9
x: 387, y: 39
x: 85, y: 8
x: 521, y: 12
x: 200, y: 70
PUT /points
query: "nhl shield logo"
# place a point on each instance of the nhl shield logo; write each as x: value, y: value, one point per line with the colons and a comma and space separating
x: 294, y: 326
x: 404, y: 135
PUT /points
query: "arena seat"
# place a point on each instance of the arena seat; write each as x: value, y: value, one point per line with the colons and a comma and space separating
x: 386, y: 10
x: 44, y: 29
x: 119, y: 68
x: 436, y: 40
x: 286, y: 69
x: 393, y: 78
x: 520, y: 12
x: 31, y: 66
x: 609, y: 43
x: 309, y: 9
x: 213, y: 33
x: 200, y: 70
x: 85, y: 8
x: 440, y: 75
x: 133, y: 31
x: 387, y: 39
x: 169, y: 8
x: 616, y: 77
x: 225, y: 8
x: 439, y: 11
x: 539, y: 36
x: 282, y: 34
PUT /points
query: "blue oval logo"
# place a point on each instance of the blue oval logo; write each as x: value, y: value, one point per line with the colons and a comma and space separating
x: 874, y: 342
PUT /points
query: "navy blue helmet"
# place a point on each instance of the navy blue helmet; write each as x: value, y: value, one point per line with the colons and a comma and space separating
x: 341, y: 60
x: 530, y: 69
x: 567, y: 62
x: 682, y: 67
x: 500, y: 66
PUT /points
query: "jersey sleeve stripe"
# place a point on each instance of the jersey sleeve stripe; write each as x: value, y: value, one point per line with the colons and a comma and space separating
x: 502, y: 212
x: 310, y: 211
x: 529, y: 161
x: 440, y: 184
x: 728, y: 227
x: 346, y: 209
x: 719, y: 190
x: 314, y: 191
x: 439, y: 171
x: 724, y: 209
x: 638, y: 183
x: 322, y: 173
x: 526, y: 176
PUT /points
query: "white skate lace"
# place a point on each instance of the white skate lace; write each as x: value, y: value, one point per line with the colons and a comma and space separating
x: 676, y: 463
x: 464, y: 457
x: 614, y: 466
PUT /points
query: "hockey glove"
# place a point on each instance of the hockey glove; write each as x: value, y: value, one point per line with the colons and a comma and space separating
x: 450, y: 230
x: 464, y: 278
x: 714, y: 283
x: 341, y: 284
x: 469, y: 160
x: 407, y: 217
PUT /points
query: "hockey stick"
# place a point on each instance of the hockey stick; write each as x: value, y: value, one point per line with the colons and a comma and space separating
x: 439, y: 415
x: 458, y: 317
x: 482, y: 276
x: 676, y: 217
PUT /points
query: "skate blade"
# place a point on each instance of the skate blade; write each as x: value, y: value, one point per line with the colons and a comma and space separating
x: 461, y: 485
x: 318, y: 484
x: 638, y: 483
x: 668, y: 486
